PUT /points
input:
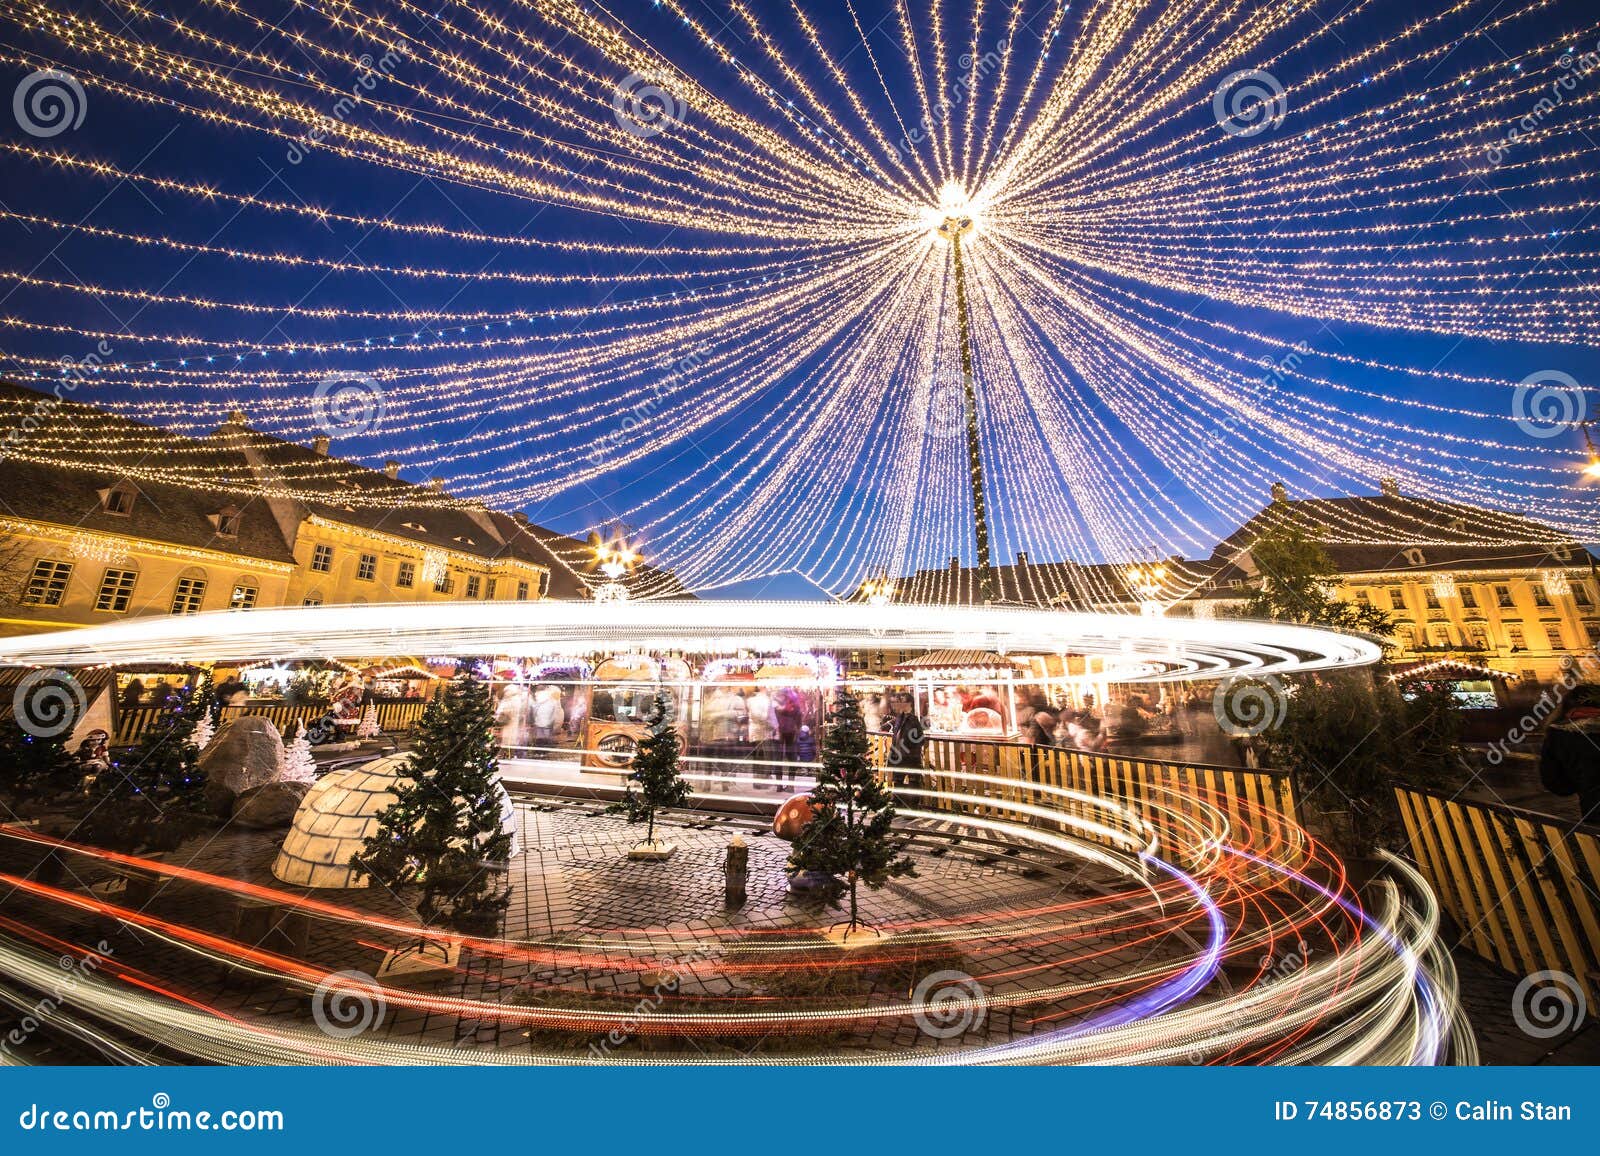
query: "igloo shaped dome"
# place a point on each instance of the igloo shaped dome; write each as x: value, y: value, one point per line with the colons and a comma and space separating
x: 340, y: 813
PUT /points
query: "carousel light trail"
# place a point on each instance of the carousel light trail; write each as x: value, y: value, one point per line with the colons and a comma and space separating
x: 1159, y: 649
x: 1376, y: 987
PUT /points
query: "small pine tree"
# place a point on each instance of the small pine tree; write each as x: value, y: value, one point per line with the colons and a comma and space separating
x: 35, y: 768
x: 444, y: 829
x: 154, y: 797
x: 368, y: 727
x: 854, y: 810
x: 654, y: 772
x: 299, y: 765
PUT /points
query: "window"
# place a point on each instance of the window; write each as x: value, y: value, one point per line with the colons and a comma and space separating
x: 1439, y: 634
x: 1580, y: 594
x: 1430, y: 597
x: 322, y: 559
x: 444, y: 584
x: 1469, y: 598
x: 117, y: 500
x: 1515, y: 637
x: 226, y: 521
x: 116, y: 590
x: 1478, y: 636
x: 367, y: 568
x: 405, y: 575
x: 489, y: 588
x: 522, y: 591
x: 47, y: 585
x: 473, y: 583
x: 187, y: 595
x: 1540, y: 596
x: 1502, y: 598
x: 1552, y: 634
x: 1591, y: 630
x: 1397, y: 599
x: 1363, y: 598
x: 243, y: 596
x: 313, y: 599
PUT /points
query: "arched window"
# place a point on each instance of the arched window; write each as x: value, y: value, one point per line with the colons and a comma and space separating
x: 189, y: 593
x: 245, y: 593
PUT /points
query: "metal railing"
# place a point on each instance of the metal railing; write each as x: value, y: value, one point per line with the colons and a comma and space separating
x: 1522, y: 886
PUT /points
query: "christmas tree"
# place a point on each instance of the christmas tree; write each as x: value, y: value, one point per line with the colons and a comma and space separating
x: 849, y: 835
x: 154, y: 797
x: 35, y: 768
x: 653, y: 779
x: 368, y: 727
x: 299, y: 766
x: 444, y: 830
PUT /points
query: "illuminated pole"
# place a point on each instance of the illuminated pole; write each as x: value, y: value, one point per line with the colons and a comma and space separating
x: 953, y: 229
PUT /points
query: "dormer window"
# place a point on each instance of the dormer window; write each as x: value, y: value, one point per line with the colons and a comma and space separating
x: 118, y: 499
x: 464, y: 540
x: 418, y: 527
x: 226, y: 521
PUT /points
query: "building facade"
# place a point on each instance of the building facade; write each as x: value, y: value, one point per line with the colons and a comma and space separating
x: 79, y: 546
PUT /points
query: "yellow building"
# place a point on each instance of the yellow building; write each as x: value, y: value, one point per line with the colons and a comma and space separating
x: 79, y: 546
x: 1479, y: 587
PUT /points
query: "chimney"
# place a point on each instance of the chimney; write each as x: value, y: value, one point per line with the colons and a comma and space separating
x: 320, y: 444
x: 1022, y: 557
x: 435, y: 485
x: 955, y: 563
x: 1280, y: 492
x: 1388, y: 487
x: 520, y: 518
x: 391, y: 468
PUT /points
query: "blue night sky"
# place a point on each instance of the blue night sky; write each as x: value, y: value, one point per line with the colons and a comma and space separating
x: 155, y: 139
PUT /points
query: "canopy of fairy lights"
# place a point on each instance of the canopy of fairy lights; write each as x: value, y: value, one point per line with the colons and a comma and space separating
x: 1169, y: 214
x: 1147, y: 648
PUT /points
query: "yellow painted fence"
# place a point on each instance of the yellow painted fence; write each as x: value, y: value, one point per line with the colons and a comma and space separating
x: 1521, y: 885
x: 392, y: 716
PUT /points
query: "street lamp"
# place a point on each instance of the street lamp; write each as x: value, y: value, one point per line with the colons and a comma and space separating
x: 616, y: 560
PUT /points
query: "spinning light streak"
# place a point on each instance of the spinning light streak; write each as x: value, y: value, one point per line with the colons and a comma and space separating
x: 1316, y: 979
x: 734, y: 314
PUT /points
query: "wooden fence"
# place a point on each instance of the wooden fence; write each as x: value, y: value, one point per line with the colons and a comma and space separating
x: 1521, y: 885
x: 1168, y: 795
x: 392, y: 716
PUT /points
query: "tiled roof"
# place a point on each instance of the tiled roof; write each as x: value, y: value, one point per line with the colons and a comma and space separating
x: 1391, y: 532
x: 72, y: 498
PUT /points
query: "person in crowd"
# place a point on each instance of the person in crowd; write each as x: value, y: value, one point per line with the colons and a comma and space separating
x: 872, y: 712
x: 547, y: 715
x: 908, y: 742
x: 1041, y: 729
x: 577, y: 714
x: 787, y: 710
x: 133, y: 693
x: 805, y: 746
x: 1569, y: 759
x: 94, y: 752
x: 762, y: 716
